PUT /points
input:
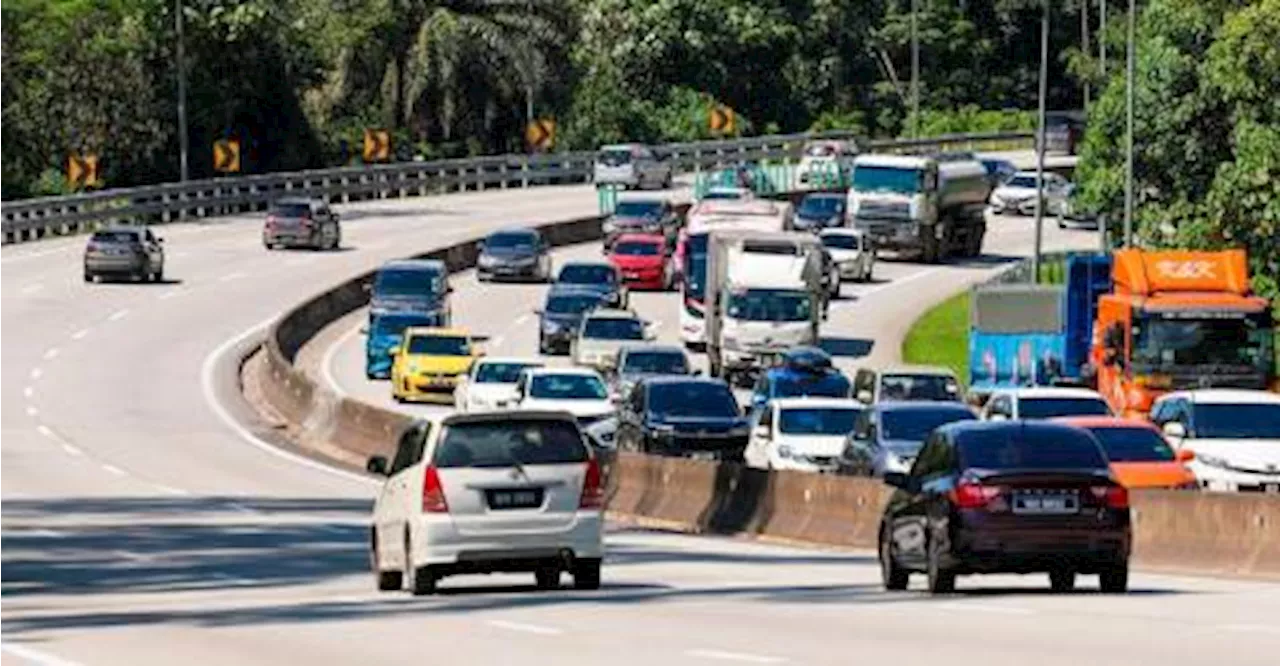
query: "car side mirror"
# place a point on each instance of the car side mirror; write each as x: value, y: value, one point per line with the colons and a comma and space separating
x: 1185, y: 455
x: 1174, y: 430
x: 901, y: 480
x: 377, y: 465
x: 864, y: 396
x: 763, y: 432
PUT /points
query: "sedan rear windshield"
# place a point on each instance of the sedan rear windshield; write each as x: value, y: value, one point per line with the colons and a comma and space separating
x: 290, y: 210
x: 821, y: 206
x: 1048, y: 408
x: 918, y: 387
x: 637, y: 249
x: 571, y: 304
x: 840, y: 241
x: 649, y: 209
x: 609, y: 328
x: 440, y: 345
x: 512, y: 239
x: 394, y: 324
x: 407, y: 282
x: 568, y: 387
x: 1022, y: 181
x: 1007, y: 448
x: 116, y: 237
x: 510, y: 442
x: 655, y: 362
x: 1133, y: 445
x: 915, y: 424
x: 501, y: 373
x: 583, y: 274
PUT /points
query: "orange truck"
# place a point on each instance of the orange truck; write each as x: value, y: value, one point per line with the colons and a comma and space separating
x: 1179, y: 320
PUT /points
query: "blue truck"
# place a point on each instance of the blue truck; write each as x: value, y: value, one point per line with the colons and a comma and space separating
x: 802, y: 372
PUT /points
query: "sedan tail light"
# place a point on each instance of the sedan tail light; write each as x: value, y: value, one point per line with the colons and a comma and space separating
x: 433, y: 500
x: 1116, y: 497
x: 970, y: 495
x: 592, y: 487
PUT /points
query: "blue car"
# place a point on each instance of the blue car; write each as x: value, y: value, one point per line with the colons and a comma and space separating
x: 383, y: 334
x: 803, y: 372
x: 412, y: 285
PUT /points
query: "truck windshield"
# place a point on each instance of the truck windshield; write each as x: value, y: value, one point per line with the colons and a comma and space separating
x: 695, y: 266
x: 1244, y: 342
x: 769, y: 305
x: 886, y: 179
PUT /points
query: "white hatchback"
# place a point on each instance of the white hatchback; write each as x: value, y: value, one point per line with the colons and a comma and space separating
x: 802, y: 434
x: 489, y: 493
x: 1234, y: 433
x: 581, y: 392
x: 491, y: 382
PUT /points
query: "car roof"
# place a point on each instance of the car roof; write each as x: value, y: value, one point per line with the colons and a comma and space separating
x: 653, y: 238
x: 1103, y: 422
x: 436, y: 330
x: 458, y: 418
x: 414, y: 264
x: 651, y: 347
x: 1033, y: 392
x: 612, y: 313
x: 122, y: 228
x: 298, y: 200
x: 572, y: 289
x: 920, y: 406
x: 586, y: 262
x: 514, y: 230
x: 663, y: 380
x: 1025, y: 428
x: 789, y: 403
x: 1226, y: 396
x: 562, y: 370
x: 908, y: 369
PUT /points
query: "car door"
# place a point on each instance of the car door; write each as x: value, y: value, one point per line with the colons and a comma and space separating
x: 759, y: 449
x: 392, y: 507
x: 910, y: 528
x: 864, y: 386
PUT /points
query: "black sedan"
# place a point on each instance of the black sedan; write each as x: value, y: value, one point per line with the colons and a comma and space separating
x: 514, y: 253
x: 598, y: 276
x: 683, y: 416
x: 820, y: 210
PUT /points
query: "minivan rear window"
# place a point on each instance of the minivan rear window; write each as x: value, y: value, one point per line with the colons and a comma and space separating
x: 291, y: 210
x: 115, y: 237
x: 615, y: 157
x: 1039, y: 448
x: 510, y: 442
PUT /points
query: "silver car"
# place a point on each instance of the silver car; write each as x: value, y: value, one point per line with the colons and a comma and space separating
x: 632, y: 166
x: 299, y: 222
x: 124, y: 252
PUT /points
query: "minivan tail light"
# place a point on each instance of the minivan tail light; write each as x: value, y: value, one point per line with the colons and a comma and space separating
x: 969, y: 495
x: 433, y: 492
x: 1116, y: 497
x: 592, y: 487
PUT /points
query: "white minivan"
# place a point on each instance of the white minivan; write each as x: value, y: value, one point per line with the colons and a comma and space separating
x: 487, y: 493
x: 632, y: 166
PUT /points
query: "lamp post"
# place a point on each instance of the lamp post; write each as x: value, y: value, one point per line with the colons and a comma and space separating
x: 1040, y: 147
x: 915, y: 75
x: 1128, y: 161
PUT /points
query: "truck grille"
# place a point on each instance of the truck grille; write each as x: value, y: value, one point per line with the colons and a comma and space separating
x: 873, y: 210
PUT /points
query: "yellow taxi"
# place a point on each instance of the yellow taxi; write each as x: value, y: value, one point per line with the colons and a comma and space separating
x: 429, y: 362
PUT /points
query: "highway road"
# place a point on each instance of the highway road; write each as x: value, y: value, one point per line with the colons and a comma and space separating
x: 140, y: 527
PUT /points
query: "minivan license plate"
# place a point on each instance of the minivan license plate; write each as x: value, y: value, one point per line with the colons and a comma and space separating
x: 523, y: 498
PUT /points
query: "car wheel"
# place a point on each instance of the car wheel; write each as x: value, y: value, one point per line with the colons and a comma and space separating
x: 895, y: 578
x: 586, y: 575
x: 158, y: 276
x: 547, y: 579
x: 422, y: 580
x: 388, y: 581
x: 88, y: 277
x: 941, y: 581
x: 1062, y: 580
x: 1115, y: 579
x: 669, y: 182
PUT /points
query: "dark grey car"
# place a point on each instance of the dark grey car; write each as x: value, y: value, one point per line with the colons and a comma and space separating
x: 124, y: 252
x: 636, y: 216
x: 514, y: 253
x: 888, y: 435
x: 638, y: 361
x: 301, y: 222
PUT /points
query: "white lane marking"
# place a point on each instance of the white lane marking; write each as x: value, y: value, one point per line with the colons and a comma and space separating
x: 134, y: 557
x: 244, y: 509
x: 44, y: 430
x: 169, y: 489
x: 28, y: 391
x: 71, y: 450
x: 44, y: 534
x: 234, y: 580
x: 118, y: 315
x: 525, y: 628
x: 232, y: 276
x: 112, y: 469
x: 330, y: 357
x: 51, y: 354
x: 35, y: 656
x: 723, y: 655
x: 520, y: 321
x: 986, y: 608
x: 206, y: 384
x: 32, y: 288
x: 171, y: 293
x: 80, y: 334
x: 1251, y: 628
x: 179, y: 255
x: 36, y: 373
x: 32, y: 411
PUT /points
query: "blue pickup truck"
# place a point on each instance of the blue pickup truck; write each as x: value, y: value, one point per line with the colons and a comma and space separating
x: 802, y: 371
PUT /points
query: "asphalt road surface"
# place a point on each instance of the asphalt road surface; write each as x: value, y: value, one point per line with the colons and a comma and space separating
x: 140, y: 527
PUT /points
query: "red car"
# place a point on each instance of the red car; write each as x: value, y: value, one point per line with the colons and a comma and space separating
x: 643, y: 260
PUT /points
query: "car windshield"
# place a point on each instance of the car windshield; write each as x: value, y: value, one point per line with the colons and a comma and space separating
x: 116, y: 237
x: 646, y: 209
x: 821, y: 207
x: 918, y: 387
x: 654, y: 362
x: 572, y: 304
x: 1006, y: 448
x: 724, y: 193
x: 497, y: 372
x: 1238, y: 421
x: 637, y: 249
x: 915, y: 424
x: 290, y: 210
x: 586, y: 274
x: 613, y: 328
x: 1022, y: 181
x: 568, y: 387
x: 615, y: 157
x: 1133, y: 444
x: 797, y: 385
x: 401, y: 282
x: 886, y: 179
x: 1048, y: 408
x: 440, y: 345
x: 769, y: 305
x: 840, y: 241
x: 511, y: 240
x: 693, y: 399
x: 817, y: 421
x: 394, y: 324
x: 1244, y: 343
x: 510, y: 442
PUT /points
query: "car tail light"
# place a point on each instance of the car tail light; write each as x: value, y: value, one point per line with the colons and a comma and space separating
x: 271, y: 222
x: 970, y: 495
x: 592, y: 487
x: 1116, y: 497
x: 433, y: 492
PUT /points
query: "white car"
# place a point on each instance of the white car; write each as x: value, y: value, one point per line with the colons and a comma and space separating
x: 803, y: 434
x: 1044, y: 403
x: 490, y: 382
x: 578, y: 391
x: 485, y: 493
x: 1017, y: 195
x: 1235, y: 435
x: 604, y: 332
x: 906, y: 383
x: 826, y: 163
x: 631, y: 166
x: 852, y: 252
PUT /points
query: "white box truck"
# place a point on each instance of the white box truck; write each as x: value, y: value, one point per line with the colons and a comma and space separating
x: 931, y: 205
x: 764, y: 295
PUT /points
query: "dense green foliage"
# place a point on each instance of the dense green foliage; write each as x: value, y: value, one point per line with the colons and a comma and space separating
x: 299, y: 80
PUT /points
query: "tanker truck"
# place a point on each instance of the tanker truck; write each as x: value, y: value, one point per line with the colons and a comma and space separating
x: 930, y: 205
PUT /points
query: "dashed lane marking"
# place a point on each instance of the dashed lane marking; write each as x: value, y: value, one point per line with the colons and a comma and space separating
x: 118, y: 315
x: 51, y: 354
x: 35, y: 656
x: 32, y: 288
x: 525, y: 628
x: 724, y: 655
x: 80, y: 334
x: 71, y: 450
x: 32, y: 411
x: 28, y: 392
x: 36, y: 373
x: 170, y: 489
x: 112, y: 469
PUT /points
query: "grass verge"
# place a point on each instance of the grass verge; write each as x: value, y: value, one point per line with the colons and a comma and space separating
x: 941, y: 337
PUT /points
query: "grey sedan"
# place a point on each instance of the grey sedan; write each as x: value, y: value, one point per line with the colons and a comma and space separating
x: 514, y: 254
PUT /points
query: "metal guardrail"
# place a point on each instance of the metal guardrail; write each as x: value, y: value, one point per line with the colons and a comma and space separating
x: 33, y: 219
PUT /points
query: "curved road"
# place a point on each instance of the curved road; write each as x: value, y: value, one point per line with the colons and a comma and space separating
x: 140, y: 527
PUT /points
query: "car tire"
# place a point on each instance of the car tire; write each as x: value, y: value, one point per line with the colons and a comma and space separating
x: 158, y: 276
x: 547, y: 579
x: 941, y: 581
x: 88, y: 277
x: 1115, y: 579
x: 1062, y: 580
x: 894, y: 577
x: 586, y: 575
x: 422, y: 580
x: 669, y: 182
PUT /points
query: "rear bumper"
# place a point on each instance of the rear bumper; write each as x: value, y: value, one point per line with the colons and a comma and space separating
x: 1038, y: 550
x: 1224, y: 480
x: 290, y: 239
x: 648, y: 279
x: 419, y: 390
x: 514, y: 271
x: 439, y: 544
x: 121, y: 264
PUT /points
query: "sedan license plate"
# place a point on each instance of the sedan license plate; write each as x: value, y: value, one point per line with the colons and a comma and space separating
x: 703, y: 455
x: 520, y: 498
x: 1045, y: 504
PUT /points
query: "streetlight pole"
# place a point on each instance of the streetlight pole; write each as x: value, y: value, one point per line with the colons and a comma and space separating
x: 915, y: 75
x: 1044, y: 91
x: 1128, y: 162
x: 183, y: 147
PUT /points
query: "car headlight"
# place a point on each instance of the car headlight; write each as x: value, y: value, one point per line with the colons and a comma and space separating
x: 486, y: 260
x: 551, y: 326
x: 784, y: 451
x: 894, y: 463
x: 663, y: 429
x: 729, y: 341
x: 608, y: 227
x: 1213, y: 461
